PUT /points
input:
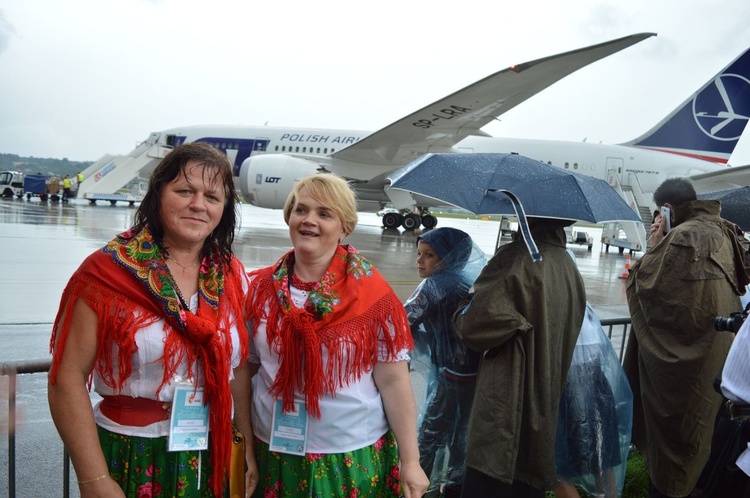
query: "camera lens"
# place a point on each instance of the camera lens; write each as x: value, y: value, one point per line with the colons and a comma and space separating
x: 729, y: 324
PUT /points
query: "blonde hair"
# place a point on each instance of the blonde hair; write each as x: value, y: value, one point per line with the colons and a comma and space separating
x: 328, y: 189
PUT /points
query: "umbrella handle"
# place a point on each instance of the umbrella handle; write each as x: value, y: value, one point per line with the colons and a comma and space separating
x: 523, y: 224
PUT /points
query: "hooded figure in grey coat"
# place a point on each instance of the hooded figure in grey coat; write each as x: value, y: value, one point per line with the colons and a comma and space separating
x: 524, y: 317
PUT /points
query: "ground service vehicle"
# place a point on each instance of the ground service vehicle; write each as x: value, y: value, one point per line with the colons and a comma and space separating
x: 582, y: 238
x: 42, y: 186
x: 11, y: 183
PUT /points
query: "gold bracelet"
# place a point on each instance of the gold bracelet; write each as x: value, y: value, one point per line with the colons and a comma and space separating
x: 94, y: 479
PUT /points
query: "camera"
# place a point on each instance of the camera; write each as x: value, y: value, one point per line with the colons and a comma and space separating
x: 731, y: 323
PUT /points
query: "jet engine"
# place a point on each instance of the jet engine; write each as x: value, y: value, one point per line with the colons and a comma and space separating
x: 266, y: 180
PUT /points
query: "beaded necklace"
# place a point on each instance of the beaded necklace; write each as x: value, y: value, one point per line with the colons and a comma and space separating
x: 299, y: 284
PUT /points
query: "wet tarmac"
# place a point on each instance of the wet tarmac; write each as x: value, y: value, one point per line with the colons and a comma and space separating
x: 42, y: 244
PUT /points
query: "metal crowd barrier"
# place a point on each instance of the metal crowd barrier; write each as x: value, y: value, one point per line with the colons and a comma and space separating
x: 14, y: 368
x: 609, y: 325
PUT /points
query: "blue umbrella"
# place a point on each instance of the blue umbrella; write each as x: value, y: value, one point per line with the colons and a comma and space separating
x: 735, y: 205
x: 510, y: 184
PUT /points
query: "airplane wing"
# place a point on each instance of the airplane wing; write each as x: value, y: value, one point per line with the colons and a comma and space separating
x: 442, y: 124
x: 731, y: 177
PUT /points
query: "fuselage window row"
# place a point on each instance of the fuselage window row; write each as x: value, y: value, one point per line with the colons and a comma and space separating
x: 304, y: 149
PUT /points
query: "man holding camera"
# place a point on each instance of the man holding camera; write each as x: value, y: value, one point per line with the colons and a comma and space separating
x: 675, y: 292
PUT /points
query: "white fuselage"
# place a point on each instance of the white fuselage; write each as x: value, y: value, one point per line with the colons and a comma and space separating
x: 317, y: 146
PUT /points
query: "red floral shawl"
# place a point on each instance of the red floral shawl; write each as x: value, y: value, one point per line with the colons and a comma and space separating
x: 129, y: 286
x: 346, y: 311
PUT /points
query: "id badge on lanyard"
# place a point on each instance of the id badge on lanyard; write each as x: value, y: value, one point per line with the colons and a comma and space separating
x: 188, y: 424
x: 289, y: 430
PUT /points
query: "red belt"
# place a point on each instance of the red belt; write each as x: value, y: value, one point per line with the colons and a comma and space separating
x: 136, y: 412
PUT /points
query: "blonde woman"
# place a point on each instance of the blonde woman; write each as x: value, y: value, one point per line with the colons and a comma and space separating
x: 332, y: 405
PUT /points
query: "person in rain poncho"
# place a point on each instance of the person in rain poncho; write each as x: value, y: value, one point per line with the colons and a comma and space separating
x: 674, y: 293
x: 449, y: 261
x: 595, y: 418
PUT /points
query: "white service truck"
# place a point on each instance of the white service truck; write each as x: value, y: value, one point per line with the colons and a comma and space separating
x: 11, y: 184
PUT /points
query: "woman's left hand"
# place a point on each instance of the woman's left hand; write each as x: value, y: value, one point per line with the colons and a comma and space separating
x: 414, y: 482
x: 251, y: 475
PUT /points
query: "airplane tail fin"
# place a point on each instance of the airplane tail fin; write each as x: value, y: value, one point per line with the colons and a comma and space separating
x: 709, y: 124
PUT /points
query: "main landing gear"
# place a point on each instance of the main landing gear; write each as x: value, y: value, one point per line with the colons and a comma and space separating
x: 409, y: 220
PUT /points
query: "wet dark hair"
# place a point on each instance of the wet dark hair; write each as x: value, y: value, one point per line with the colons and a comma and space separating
x: 675, y: 191
x: 217, y: 168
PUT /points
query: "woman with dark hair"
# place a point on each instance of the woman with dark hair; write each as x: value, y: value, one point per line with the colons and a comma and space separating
x: 213, y: 171
x: 153, y: 320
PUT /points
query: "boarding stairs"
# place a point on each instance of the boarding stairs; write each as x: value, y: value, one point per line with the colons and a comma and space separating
x: 121, y: 178
x: 628, y: 234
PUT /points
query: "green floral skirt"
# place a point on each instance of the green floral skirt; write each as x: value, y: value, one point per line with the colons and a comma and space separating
x: 144, y: 468
x: 369, y: 471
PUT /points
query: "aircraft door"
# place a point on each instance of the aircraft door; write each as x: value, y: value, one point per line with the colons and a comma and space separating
x: 260, y: 145
x: 616, y: 164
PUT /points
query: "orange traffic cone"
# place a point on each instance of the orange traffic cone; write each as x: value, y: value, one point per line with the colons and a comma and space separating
x: 626, y: 271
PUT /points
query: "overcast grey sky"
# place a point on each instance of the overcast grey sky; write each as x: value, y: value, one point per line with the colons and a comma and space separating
x: 81, y: 78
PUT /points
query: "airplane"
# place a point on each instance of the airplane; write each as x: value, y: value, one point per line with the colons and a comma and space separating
x: 696, y: 141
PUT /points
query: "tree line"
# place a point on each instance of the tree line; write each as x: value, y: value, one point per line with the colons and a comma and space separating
x: 43, y: 165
